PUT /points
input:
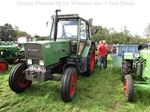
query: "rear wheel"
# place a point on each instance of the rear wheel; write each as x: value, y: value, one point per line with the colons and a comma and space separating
x: 90, y: 62
x: 17, y: 79
x: 128, y: 88
x: 3, y: 66
x: 125, y: 68
x: 69, y: 82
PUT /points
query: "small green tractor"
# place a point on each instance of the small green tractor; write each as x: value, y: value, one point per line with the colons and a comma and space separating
x: 9, y: 54
x: 139, y: 64
x: 69, y: 51
x: 135, y: 68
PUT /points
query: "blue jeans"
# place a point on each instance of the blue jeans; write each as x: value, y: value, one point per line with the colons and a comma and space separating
x: 102, y: 61
x: 106, y: 59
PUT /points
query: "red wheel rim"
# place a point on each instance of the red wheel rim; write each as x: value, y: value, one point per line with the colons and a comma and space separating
x: 125, y: 88
x: 92, y: 61
x: 73, y: 84
x: 3, y: 66
x: 22, y: 80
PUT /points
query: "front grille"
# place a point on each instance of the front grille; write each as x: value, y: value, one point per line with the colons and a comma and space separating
x: 33, y: 51
x: 35, y: 61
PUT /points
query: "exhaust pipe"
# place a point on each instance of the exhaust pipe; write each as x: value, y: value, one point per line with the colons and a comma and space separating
x: 56, y: 24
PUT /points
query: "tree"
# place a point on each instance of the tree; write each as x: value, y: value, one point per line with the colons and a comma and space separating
x: 7, y: 32
x: 22, y: 33
x: 99, y: 33
x: 113, y: 37
x: 43, y: 38
x: 147, y: 31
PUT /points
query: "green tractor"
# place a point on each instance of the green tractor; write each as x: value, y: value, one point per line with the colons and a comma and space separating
x: 69, y: 51
x: 9, y: 53
x: 135, y: 70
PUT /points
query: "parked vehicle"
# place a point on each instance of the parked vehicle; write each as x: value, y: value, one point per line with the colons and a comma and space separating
x: 9, y: 54
x: 65, y: 52
x: 135, y: 68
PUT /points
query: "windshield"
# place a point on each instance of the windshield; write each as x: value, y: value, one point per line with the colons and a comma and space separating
x: 67, y: 28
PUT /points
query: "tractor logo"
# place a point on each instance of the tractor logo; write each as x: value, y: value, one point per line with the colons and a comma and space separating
x: 33, y: 50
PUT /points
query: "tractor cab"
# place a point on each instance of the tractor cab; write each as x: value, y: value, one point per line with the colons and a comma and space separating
x: 73, y: 28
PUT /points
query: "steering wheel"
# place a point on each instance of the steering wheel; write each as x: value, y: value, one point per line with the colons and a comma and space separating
x: 69, y: 35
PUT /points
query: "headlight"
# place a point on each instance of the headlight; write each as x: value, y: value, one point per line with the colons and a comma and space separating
x: 41, y: 62
x: 29, y: 61
x: 136, y: 55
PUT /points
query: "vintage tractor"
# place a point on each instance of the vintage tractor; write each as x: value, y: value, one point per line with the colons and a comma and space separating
x: 9, y: 53
x: 69, y: 51
x: 134, y: 61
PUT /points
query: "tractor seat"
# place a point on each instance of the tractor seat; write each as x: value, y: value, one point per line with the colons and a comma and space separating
x: 74, y: 47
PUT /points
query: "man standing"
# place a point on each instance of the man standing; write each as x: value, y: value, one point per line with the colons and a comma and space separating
x: 106, y: 52
x: 102, y: 54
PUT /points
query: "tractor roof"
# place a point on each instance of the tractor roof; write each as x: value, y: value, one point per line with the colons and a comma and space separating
x: 63, y: 16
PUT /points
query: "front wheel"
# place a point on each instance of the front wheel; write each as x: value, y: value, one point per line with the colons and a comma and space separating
x: 69, y: 82
x: 125, y: 68
x: 128, y: 88
x: 3, y: 66
x: 17, y: 80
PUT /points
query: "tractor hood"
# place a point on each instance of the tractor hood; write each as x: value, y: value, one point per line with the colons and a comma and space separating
x: 48, y: 51
x: 10, y: 47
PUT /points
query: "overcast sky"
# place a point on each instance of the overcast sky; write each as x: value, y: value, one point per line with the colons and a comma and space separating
x: 31, y: 15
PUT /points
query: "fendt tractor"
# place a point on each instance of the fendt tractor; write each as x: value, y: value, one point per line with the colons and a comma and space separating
x: 69, y: 52
x: 9, y: 54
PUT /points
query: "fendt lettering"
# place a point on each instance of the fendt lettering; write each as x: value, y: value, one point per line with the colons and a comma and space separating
x: 33, y: 50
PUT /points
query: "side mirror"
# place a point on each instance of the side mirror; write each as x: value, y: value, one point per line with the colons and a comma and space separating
x: 90, y: 21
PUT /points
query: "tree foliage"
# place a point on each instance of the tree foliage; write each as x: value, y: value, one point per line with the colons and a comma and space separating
x: 22, y: 33
x: 113, y: 37
x: 43, y: 38
x: 147, y: 31
x: 7, y: 32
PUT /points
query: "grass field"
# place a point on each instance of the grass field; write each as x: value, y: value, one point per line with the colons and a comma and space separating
x: 102, y: 92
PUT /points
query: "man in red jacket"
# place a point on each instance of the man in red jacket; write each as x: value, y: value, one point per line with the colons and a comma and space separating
x: 104, y: 42
x: 102, y: 55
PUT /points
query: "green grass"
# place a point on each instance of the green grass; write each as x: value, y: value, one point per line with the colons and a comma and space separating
x: 102, y: 92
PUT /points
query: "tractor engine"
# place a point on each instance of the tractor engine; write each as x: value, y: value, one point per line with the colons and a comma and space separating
x: 5, y: 53
x: 45, y: 58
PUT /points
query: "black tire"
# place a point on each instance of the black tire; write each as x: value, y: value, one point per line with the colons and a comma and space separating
x: 3, y: 66
x: 125, y: 68
x: 90, y: 62
x: 69, y: 82
x: 17, y: 79
x: 22, y: 55
x: 128, y: 86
